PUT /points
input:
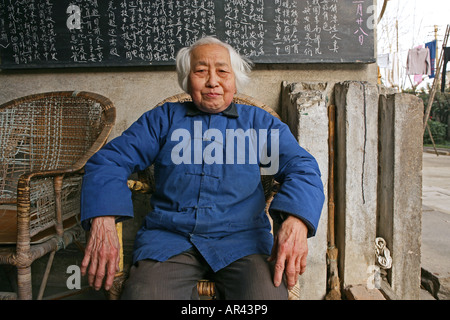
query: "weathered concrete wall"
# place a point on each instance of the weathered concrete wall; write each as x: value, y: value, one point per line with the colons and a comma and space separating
x: 356, y: 174
x: 400, y: 189
x: 304, y: 109
x: 379, y: 187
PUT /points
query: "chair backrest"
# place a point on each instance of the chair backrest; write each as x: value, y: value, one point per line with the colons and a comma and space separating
x: 50, y: 131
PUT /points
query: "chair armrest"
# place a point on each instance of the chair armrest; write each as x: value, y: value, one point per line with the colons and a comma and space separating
x: 42, y: 193
x: 138, y: 186
x: 23, y: 185
x: 26, y: 177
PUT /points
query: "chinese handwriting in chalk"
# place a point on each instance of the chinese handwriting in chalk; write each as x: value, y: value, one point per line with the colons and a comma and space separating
x: 86, y: 41
x: 150, y: 30
x: 330, y: 24
x: 245, y: 26
x: 360, y: 22
x: 31, y: 31
x: 112, y: 29
x: 286, y: 39
x: 321, y: 25
x: 41, y: 33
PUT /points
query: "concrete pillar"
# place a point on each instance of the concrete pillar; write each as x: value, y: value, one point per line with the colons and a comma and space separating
x: 356, y: 179
x: 304, y: 109
x: 400, y: 189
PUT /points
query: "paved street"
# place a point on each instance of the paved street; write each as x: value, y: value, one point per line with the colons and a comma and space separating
x: 436, y: 181
x: 436, y: 223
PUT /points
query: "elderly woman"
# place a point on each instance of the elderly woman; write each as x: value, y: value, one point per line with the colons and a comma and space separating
x: 207, y: 218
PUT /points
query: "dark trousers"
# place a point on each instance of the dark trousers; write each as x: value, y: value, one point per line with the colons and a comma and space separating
x: 249, y: 278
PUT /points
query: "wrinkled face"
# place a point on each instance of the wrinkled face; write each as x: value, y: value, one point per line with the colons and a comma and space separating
x: 211, y: 81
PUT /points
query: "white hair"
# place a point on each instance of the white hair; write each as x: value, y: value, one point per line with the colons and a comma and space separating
x: 241, y: 66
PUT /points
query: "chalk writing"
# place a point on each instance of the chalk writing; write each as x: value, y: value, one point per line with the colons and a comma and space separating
x: 322, y: 26
x: 150, y: 30
x: 360, y: 32
x: 331, y: 24
x: 4, y: 43
x: 31, y: 31
x: 78, y: 33
x: 286, y: 39
x: 86, y: 42
x: 112, y: 29
x: 245, y: 26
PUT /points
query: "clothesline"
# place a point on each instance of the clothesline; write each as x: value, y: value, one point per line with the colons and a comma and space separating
x: 420, y: 62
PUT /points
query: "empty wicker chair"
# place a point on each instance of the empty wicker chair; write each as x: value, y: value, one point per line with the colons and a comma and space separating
x: 45, y: 141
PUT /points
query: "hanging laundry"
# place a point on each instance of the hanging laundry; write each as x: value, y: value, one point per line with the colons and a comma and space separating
x: 444, y: 68
x: 383, y: 60
x: 418, y: 77
x: 418, y: 61
x: 432, y: 47
x: 393, y: 76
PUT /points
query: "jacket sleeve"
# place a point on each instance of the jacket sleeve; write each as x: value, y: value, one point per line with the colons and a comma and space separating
x: 301, y: 190
x: 104, y: 189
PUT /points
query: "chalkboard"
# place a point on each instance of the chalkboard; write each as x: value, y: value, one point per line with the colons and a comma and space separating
x: 102, y: 33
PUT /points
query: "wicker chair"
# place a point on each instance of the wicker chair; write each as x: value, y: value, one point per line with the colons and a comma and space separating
x: 145, y: 184
x: 45, y: 141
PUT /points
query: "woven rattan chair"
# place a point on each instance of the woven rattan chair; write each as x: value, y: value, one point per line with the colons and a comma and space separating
x: 145, y: 184
x: 45, y: 140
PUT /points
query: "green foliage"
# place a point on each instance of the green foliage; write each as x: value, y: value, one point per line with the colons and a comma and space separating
x: 440, y: 109
x: 439, y: 116
x: 438, y: 131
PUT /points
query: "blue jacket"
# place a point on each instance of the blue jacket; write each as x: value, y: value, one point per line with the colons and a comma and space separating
x: 208, y: 184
